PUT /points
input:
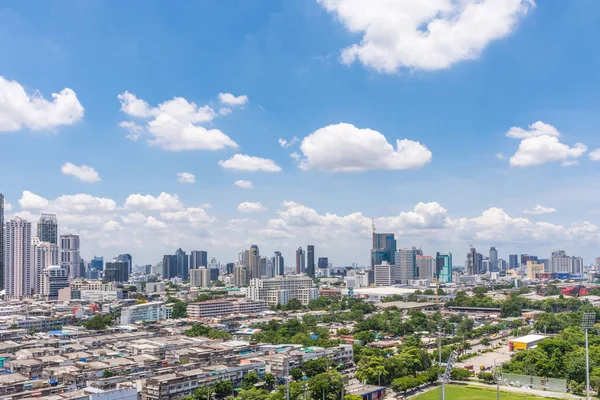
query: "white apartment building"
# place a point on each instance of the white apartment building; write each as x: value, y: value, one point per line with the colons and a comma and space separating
x: 280, y: 290
x: 69, y: 254
x: 219, y: 308
x: 100, y: 296
x: 426, y: 267
x: 92, y: 284
x: 18, y: 261
x: 45, y: 254
x: 153, y: 311
x: 200, y: 277
x: 385, y: 274
x: 562, y: 263
x: 53, y: 279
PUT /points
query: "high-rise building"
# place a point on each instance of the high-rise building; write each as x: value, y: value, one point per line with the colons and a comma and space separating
x: 300, y: 261
x: 116, y: 271
x: 241, y: 275
x: 47, y: 229
x: 444, y: 267
x: 323, y: 263
x: 229, y: 268
x: 18, y: 260
x: 200, y: 277
x: 199, y: 258
x: 384, y: 248
x: 45, y: 254
x: 126, y: 258
x: 53, y: 278
x: 479, y: 264
x: 280, y: 290
x: 405, y: 261
x: 560, y: 262
x: 426, y: 267
x: 471, y: 267
x: 493, y: 259
x: 513, y: 261
x: 384, y: 274
x: 254, y: 261
x: 310, y: 260
x: 169, y: 266
x: 486, y: 265
x: 1, y: 241
x: 213, y: 274
x: 97, y: 263
x: 69, y: 254
x: 182, y: 264
x: 278, y: 264
x: 502, y: 265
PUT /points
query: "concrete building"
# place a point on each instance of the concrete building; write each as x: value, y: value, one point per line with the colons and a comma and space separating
x: 310, y: 260
x: 153, y: 311
x: 200, y: 278
x: 224, y: 307
x: 126, y: 258
x: 53, y: 279
x: 560, y: 262
x: 169, y: 266
x: 69, y: 254
x: 182, y: 264
x: 241, y: 275
x: 280, y: 290
x: 47, y: 229
x: 198, y: 258
x: 405, y: 260
x: 2, y: 243
x: 426, y: 267
x: 513, y: 261
x: 116, y: 271
x: 533, y: 269
x: 385, y: 274
x: 18, y: 260
x: 493, y: 259
x: 254, y: 261
x: 45, y: 254
x: 278, y: 264
x: 444, y: 267
x: 300, y: 261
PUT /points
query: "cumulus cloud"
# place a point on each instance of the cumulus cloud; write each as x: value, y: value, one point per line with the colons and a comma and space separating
x: 595, y: 155
x: 193, y: 215
x: 21, y: 110
x: 174, y: 124
x: 288, y: 143
x: 242, y: 162
x: 135, y: 131
x: 163, y: 201
x: 244, y: 184
x: 346, y: 148
x: 249, y: 207
x: 186, y: 177
x: 231, y: 100
x: 84, y: 173
x: 540, y: 144
x: 426, y: 35
x: 538, y: 209
x: 500, y: 156
x: 225, y: 111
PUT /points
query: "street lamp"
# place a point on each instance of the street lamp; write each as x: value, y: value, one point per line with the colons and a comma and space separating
x: 589, y: 318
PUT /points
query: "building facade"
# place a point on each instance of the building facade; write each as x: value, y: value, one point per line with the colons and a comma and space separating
x: 426, y: 267
x: 300, y: 261
x: 149, y: 312
x: 53, y: 279
x: 47, y: 229
x: 2, y: 243
x: 116, y: 271
x: 444, y: 267
x: 69, y: 254
x: 310, y: 260
x: 385, y: 274
x: 405, y: 261
x: 198, y: 258
x: 280, y: 290
x: 278, y: 264
x: 45, y: 254
x: 200, y: 277
x: 18, y: 260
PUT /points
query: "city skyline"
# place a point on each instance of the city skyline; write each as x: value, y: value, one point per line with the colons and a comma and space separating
x: 302, y: 135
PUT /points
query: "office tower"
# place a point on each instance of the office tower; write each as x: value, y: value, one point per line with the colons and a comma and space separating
x: 182, y: 264
x: 405, y: 261
x: 278, y: 264
x: 513, y: 261
x: 126, y: 258
x: 576, y: 265
x: 486, y: 265
x: 426, y: 267
x: 384, y: 248
x: 471, y: 265
x: 169, y: 266
x: 69, y: 254
x: 116, y: 271
x: 502, y: 265
x: 493, y: 259
x: 253, y: 259
x: 310, y: 260
x: 384, y: 274
x: 262, y: 268
x: 323, y: 263
x: 47, y: 229
x: 444, y: 267
x: 241, y: 275
x: 198, y: 258
x: 17, y: 259
x: 97, y: 263
x: 229, y: 268
x: 200, y: 277
x: 45, y: 254
x: 53, y: 278
x: 213, y: 274
x: 1, y: 241
x: 300, y: 261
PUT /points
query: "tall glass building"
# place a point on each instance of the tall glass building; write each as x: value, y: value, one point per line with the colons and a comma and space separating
x: 444, y: 267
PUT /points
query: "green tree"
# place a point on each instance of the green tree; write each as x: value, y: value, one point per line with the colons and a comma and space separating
x: 296, y: 374
x: 460, y: 374
x: 371, y: 370
x: 107, y: 373
x: 404, y: 384
x: 315, y: 367
x: 486, y: 377
x: 223, y: 389
x: 485, y: 341
x: 328, y: 385
x: 352, y: 397
x: 98, y: 322
x: 365, y: 337
x: 294, y: 304
x: 511, y: 308
x: 250, y: 380
x: 179, y: 310
x: 269, y: 381
x: 253, y: 394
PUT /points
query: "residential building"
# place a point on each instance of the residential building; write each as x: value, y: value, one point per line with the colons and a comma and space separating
x: 385, y: 274
x: 444, y: 267
x: 405, y: 261
x: 45, y: 254
x: 254, y: 261
x: 182, y: 264
x: 116, y: 271
x: 47, y: 229
x: 278, y: 264
x: 225, y: 307
x: 69, y: 254
x: 513, y: 261
x: 2, y: 243
x: 534, y: 269
x: 280, y: 290
x: 18, y: 260
x: 310, y: 260
x: 200, y: 278
x: 426, y: 267
x: 493, y: 259
x: 53, y: 278
x: 241, y: 275
x: 153, y: 311
x: 198, y: 258
x: 300, y: 261
x: 560, y: 262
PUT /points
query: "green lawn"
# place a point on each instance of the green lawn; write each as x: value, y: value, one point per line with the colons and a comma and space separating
x: 473, y: 393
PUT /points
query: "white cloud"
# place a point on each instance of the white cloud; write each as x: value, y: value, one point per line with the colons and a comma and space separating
x: 192, y: 215
x: 84, y: 173
x: 112, y: 226
x: 544, y: 149
x: 288, y: 143
x: 31, y: 200
x: 425, y: 35
x: 538, y: 209
x: 135, y: 130
x: 164, y: 201
x: 346, y: 148
x: 174, y: 124
x: 595, y: 155
x: 7, y: 207
x: 231, y: 100
x: 242, y: 162
x: 19, y: 110
x: 249, y: 207
x: 225, y: 111
x: 536, y: 129
x: 244, y: 184
x: 500, y: 156
x: 152, y: 222
x: 186, y: 177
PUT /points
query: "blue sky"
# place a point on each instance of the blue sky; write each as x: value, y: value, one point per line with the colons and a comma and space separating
x: 453, y: 95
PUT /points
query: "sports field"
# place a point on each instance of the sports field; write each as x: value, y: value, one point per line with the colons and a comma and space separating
x: 473, y: 393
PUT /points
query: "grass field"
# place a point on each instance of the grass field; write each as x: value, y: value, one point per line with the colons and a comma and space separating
x: 473, y: 393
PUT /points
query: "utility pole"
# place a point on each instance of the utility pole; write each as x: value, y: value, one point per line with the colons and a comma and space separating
x: 589, y: 318
x: 497, y: 376
x: 287, y: 379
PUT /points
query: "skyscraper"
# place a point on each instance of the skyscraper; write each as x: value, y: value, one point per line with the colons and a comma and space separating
x: 126, y: 258
x: 1, y: 241
x: 116, y: 271
x: 198, y: 258
x: 310, y: 260
x: 493, y: 259
x: 300, y: 261
x: 254, y: 262
x: 47, y: 229
x: 384, y: 248
x: 17, y: 259
x: 69, y: 254
x: 97, y: 263
x: 471, y: 266
x: 323, y: 263
x: 229, y: 268
x: 182, y: 264
x: 169, y: 266
x: 405, y: 261
x: 278, y: 264
x: 444, y: 267
x: 513, y: 261
x: 426, y: 267
x: 45, y: 254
